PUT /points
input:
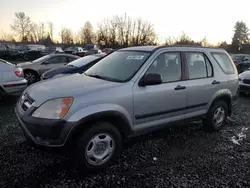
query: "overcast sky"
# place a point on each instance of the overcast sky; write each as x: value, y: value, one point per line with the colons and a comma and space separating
x: 197, y: 18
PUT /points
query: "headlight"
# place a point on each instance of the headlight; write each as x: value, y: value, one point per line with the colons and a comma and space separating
x: 54, y: 109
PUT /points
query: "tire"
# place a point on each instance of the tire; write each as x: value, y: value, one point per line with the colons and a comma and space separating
x: 1, y: 94
x: 26, y: 57
x: 210, y: 124
x: 31, y: 77
x: 98, y: 132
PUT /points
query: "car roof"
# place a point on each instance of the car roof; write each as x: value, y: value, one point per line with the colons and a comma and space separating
x: 140, y: 48
x: 154, y: 48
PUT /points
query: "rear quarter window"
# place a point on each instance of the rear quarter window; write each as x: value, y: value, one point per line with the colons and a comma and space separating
x: 224, y: 62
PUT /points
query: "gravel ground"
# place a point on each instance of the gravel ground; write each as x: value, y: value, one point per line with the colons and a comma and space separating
x: 180, y: 157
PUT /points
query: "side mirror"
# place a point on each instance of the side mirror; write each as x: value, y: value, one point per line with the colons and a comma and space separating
x: 45, y: 63
x: 150, y: 79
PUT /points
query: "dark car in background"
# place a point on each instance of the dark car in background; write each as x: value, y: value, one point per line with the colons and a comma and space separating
x: 107, y: 50
x: 34, y: 69
x: 3, y: 51
x: 52, y: 49
x: 78, y: 66
x: 242, y: 61
x: 93, y: 51
x: 76, y: 51
x: 29, y: 52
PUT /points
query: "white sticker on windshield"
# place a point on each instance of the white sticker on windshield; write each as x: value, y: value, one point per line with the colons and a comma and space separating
x: 135, y: 57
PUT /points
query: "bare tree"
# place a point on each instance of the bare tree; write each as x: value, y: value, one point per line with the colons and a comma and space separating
x: 51, y: 30
x: 66, y: 36
x: 123, y: 31
x: 86, y: 33
x: 103, y: 32
x: 21, y: 25
x: 184, y: 39
x: 41, y: 31
x: 170, y: 41
x: 6, y: 36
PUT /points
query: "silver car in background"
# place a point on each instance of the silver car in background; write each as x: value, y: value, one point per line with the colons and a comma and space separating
x: 11, y: 79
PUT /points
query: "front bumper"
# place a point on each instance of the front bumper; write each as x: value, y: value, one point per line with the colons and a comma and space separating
x: 44, y: 132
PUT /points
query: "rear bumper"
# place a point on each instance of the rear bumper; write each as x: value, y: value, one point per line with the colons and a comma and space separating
x: 15, y: 87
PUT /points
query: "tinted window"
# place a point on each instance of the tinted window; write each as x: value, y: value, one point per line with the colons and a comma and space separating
x: 198, y: 65
x: 168, y: 65
x: 57, y: 60
x: 237, y: 57
x: 119, y: 66
x: 71, y: 59
x: 2, y: 48
x: 41, y: 59
x: 224, y: 62
x: 83, y: 61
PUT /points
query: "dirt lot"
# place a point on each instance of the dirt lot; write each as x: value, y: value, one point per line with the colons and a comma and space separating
x: 181, y: 157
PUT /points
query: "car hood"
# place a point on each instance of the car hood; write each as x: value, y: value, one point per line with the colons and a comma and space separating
x: 245, y: 75
x: 72, y: 85
x: 52, y: 72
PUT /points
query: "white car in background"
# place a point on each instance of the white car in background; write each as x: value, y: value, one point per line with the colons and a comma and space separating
x: 11, y: 79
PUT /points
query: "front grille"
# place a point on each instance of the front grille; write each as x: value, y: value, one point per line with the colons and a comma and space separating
x: 26, y: 102
x: 246, y: 81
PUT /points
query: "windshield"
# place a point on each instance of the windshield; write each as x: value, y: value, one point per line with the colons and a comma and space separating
x: 237, y: 57
x: 83, y: 61
x: 119, y: 66
x: 41, y: 59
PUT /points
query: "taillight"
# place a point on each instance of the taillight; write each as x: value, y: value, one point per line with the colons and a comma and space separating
x: 19, y: 73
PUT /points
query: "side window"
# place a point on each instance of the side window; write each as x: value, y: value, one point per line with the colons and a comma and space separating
x: 57, y: 60
x: 168, y: 65
x: 198, y: 65
x: 69, y: 59
x: 224, y: 62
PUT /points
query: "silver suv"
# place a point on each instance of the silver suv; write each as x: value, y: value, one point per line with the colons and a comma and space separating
x: 132, y: 91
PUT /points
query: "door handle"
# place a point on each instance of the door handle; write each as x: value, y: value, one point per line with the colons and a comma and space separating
x: 215, y: 82
x: 179, y: 87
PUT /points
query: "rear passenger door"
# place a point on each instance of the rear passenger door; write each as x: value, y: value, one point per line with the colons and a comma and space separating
x: 157, y: 105
x: 201, y: 84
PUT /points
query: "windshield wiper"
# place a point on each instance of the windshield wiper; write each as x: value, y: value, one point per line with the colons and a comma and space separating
x: 103, y: 77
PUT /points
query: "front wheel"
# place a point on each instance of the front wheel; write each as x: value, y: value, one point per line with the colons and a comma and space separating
x: 98, y: 146
x: 216, y: 117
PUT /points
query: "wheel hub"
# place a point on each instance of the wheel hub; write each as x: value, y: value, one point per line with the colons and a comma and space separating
x: 219, y: 116
x: 100, y: 149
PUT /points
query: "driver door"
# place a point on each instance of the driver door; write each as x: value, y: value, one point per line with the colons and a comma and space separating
x: 53, y: 62
x: 157, y: 105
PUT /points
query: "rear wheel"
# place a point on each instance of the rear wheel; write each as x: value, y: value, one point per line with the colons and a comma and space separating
x: 216, y: 117
x: 25, y: 57
x: 31, y: 76
x: 98, y: 146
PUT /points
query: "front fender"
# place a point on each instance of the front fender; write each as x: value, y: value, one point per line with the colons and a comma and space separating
x: 100, y: 108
